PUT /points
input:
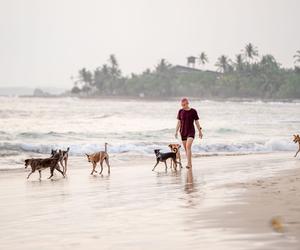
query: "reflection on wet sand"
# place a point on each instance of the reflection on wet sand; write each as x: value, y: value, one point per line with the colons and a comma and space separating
x: 192, y: 196
x: 189, y: 185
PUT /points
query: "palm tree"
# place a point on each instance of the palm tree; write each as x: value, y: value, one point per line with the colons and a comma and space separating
x: 115, y: 71
x: 203, y: 59
x: 223, y: 64
x: 105, y: 69
x: 239, y: 62
x: 162, y: 66
x: 269, y: 61
x: 85, y: 77
x: 250, y: 51
x: 297, y: 57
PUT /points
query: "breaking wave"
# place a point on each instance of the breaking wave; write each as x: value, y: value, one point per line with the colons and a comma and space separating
x: 147, y: 148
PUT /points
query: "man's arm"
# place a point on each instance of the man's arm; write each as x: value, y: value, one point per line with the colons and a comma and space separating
x: 199, y: 128
x: 177, y: 128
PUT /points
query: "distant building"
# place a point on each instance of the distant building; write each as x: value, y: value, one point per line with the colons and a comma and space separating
x: 191, y: 60
x: 184, y: 69
x: 179, y: 69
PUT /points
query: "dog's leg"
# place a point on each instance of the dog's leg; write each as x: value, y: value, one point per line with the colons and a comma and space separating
x: 58, y: 169
x: 40, y: 173
x: 101, y: 165
x: 62, y: 165
x: 61, y: 172
x: 179, y: 160
x: 175, y: 163
x: 30, y: 174
x: 94, y: 166
x: 66, y: 163
x: 155, y: 165
x: 107, y: 163
x: 51, y: 172
x: 297, y: 153
x: 166, y: 165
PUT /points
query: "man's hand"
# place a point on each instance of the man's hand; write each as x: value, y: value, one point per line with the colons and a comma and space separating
x: 200, y: 134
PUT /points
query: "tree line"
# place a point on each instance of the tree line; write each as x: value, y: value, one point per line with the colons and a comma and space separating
x: 248, y: 75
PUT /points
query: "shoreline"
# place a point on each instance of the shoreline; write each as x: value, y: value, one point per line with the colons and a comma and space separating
x: 140, y: 158
x: 158, y: 99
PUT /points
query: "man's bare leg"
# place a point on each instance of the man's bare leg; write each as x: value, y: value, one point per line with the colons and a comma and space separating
x: 184, y: 145
x: 188, y: 151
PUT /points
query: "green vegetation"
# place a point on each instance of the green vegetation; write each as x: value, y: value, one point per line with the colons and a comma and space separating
x: 249, y: 75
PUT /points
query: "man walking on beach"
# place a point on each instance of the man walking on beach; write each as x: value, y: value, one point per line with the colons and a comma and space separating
x: 186, y: 118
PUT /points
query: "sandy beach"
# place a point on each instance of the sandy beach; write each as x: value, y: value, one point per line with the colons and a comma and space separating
x: 221, y: 204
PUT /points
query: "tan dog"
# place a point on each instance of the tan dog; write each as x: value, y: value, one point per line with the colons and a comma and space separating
x: 297, y: 140
x: 63, y: 158
x: 176, y: 149
x: 99, y: 157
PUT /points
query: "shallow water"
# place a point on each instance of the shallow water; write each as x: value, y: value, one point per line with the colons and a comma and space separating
x: 32, y: 126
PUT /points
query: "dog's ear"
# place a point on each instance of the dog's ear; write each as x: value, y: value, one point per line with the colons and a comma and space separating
x: 179, y: 146
x: 87, y: 155
x: 170, y: 146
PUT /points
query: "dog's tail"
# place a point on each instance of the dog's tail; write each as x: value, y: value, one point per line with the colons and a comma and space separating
x: 105, y: 146
x: 175, y: 150
x: 68, y: 149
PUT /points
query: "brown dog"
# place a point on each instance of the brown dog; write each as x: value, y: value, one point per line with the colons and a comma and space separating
x: 297, y: 140
x: 41, y: 164
x: 176, y: 149
x: 63, y: 158
x: 99, y: 157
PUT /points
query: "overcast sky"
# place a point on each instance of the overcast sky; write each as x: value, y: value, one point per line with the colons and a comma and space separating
x: 44, y: 42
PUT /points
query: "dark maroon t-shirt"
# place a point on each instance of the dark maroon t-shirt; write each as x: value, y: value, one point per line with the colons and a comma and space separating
x: 187, y: 118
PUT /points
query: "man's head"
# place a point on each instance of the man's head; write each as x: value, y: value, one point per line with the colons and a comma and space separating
x: 184, y: 103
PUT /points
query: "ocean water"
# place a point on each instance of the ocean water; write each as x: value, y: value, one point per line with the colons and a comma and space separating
x: 31, y: 127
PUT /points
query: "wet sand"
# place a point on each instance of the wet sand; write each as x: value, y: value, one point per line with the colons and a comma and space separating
x: 224, y: 203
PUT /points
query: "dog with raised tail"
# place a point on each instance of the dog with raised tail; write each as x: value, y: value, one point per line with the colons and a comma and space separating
x: 99, y: 157
x: 297, y: 140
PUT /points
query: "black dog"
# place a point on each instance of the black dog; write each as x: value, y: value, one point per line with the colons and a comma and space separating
x: 40, y: 164
x: 160, y: 157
